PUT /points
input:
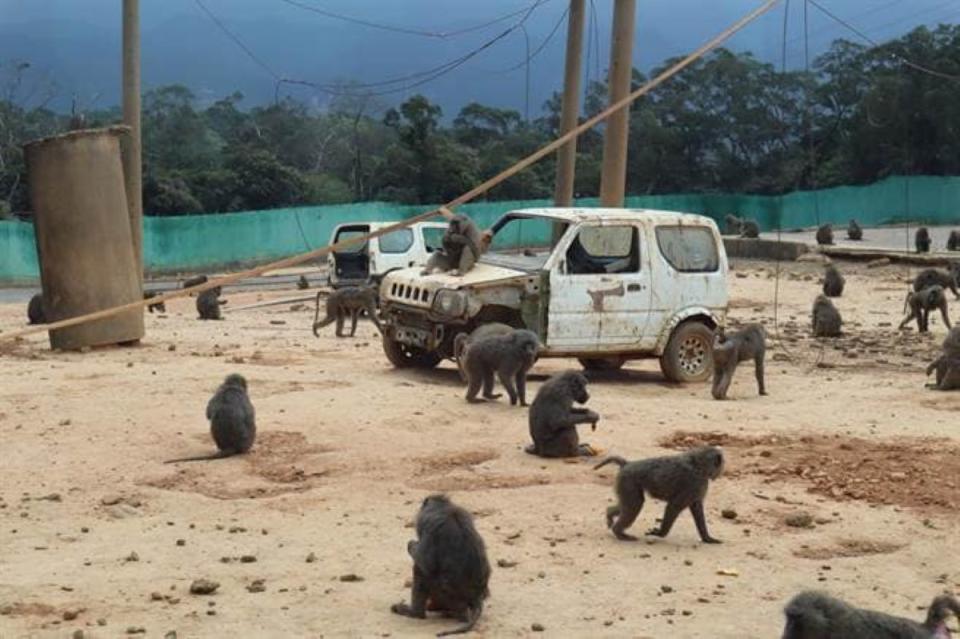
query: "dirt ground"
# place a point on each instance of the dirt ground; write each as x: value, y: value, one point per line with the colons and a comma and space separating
x: 307, y: 535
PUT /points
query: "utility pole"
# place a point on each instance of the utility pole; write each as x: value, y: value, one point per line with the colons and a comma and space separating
x: 132, y: 162
x: 570, y: 110
x: 612, y: 182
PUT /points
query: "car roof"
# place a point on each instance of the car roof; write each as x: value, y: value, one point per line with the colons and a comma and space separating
x: 375, y: 226
x: 579, y: 214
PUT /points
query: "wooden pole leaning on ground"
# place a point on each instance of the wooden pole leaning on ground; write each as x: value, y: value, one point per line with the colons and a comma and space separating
x: 443, y: 210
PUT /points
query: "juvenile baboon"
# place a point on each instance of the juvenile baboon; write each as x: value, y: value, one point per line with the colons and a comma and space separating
x: 232, y: 420
x: 209, y: 303
x: 732, y: 224
x: 921, y: 303
x: 932, y: 277
x: 462, y: 340
x: 160, y: 307
x: 826, y: 318
x: 510, y: 356
x: 350, y: 300
x: 303, y: 283
x: 825, y: 234
x: 854, y: 232
x: 680, y: 480
x: 450, y: 567
x: 833, y: 282
x: 730, y: 350
x: 195, y: 281
x: 953, y: 241
x: 817, y: 615
x: 35, y: 313
x: 553, y: 418
x: 749, y: 229
x: 922, y: 240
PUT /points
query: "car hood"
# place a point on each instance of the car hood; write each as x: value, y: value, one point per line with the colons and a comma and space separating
x: 479, y: 274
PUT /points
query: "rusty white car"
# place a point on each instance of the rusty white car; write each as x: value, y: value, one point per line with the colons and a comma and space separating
x: 370, y: 261
x: 601, y: 285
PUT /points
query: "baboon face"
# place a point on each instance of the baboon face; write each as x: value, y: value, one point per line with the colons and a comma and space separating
x: 715, y: 461
x: 578, y: 388
x: 236, y: 380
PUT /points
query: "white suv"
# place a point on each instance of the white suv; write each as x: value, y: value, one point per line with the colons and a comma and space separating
x: 378, y: 256
x: 601, y: 285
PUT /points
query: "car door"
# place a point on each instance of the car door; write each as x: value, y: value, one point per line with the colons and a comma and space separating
x: 600, y: 290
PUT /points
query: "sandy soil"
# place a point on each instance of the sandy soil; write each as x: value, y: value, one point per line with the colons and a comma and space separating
x: 96, y: 534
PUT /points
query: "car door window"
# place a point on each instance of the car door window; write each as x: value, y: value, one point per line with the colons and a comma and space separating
x: 397, y: 242
x: 604, y: 250
x: 689, y: 249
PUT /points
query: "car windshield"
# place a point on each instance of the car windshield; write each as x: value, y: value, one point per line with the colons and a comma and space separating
x: 523, y: 242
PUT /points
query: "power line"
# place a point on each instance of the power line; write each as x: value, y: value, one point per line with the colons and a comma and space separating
x: 236, y: 40
x: 895, y: 56
x: 542, y: 46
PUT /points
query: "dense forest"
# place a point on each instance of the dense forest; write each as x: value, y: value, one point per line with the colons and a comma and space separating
x: 728, y: 123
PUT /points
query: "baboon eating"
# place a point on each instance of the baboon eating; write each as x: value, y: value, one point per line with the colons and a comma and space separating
x: 209, y: 303
x: 732, y: 224
x: 825, y: 234
x: 303, y: 283
x: 921, y: 303
x: 826, y: 318
x: 953, y: 241
x: 749, y: 229
x: 232, y: 420
x: 510, y: 356
x: 462, y: 243
x: 35, y: 312
x: 817, y: 615
x: 854, y: 232
x: 922, y: 240
x: 160, y: 307
x: 730, y: 350
x: 553, y: 418
x: 932, y: 277
x: 680, y: 480
x: 833, y: 282
x: 462, y: 340
x: 450, y: 567
x: 350, y: 300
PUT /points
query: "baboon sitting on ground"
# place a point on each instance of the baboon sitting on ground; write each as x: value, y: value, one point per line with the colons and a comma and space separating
x: 825, y: 234
x: 826, y: 318
x: 553, y: 418
x: 854, y: 232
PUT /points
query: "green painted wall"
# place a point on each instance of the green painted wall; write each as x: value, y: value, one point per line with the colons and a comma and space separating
x: 207, y: 242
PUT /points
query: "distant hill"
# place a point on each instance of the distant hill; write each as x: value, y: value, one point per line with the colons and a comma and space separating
x: 77, y: 44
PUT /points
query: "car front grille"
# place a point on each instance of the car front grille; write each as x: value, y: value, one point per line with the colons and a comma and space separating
x: 409, y: 293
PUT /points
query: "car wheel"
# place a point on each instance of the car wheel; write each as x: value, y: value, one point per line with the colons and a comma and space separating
x: 688, y: 357
x: 403, y: 356
x: 602, y: 363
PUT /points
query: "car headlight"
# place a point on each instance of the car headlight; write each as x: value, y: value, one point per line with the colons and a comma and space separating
x: 450, y: 303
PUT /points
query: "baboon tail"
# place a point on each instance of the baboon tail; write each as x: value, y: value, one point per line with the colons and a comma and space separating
x: 220, y: 454
x: 473, y: 614
x: 612, y: 459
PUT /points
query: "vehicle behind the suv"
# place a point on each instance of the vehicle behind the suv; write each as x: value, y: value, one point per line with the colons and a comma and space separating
x: 370, y: 261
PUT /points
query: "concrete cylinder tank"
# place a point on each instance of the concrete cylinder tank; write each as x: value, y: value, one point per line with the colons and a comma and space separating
x: 83, y: 236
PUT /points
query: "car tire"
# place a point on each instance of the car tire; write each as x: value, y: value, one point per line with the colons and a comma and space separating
x: 602, y: 363
x: 688, y: 357
x: 403, y: 356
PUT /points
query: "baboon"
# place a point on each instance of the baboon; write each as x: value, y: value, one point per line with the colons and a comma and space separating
x: 749, y: 229
x: 463, y: 234
x: 732, y: 224
x: 826, y: 318
x: 209, y: 303
x: 553, y: 418
x: 462, y: 340
x: 922, y: 240
x: 680, y: 480
x: 953, y: 242
x: 303, y: 283
x: 195, y: 281
x: 510, y: 356
x: 817, y: 615
x: 825, y: 234
x: 439, y: 262
x: 350, y: 300
x: 833, y: 282
x: 921, y: 303
x: 232, y: 420
x: 948, y: 364
x: 450, y: 567
x: 854, y: 232
x: 160, y: 307
x: 730, y: 350
x: 35, y: 313
x: 930, y: 276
